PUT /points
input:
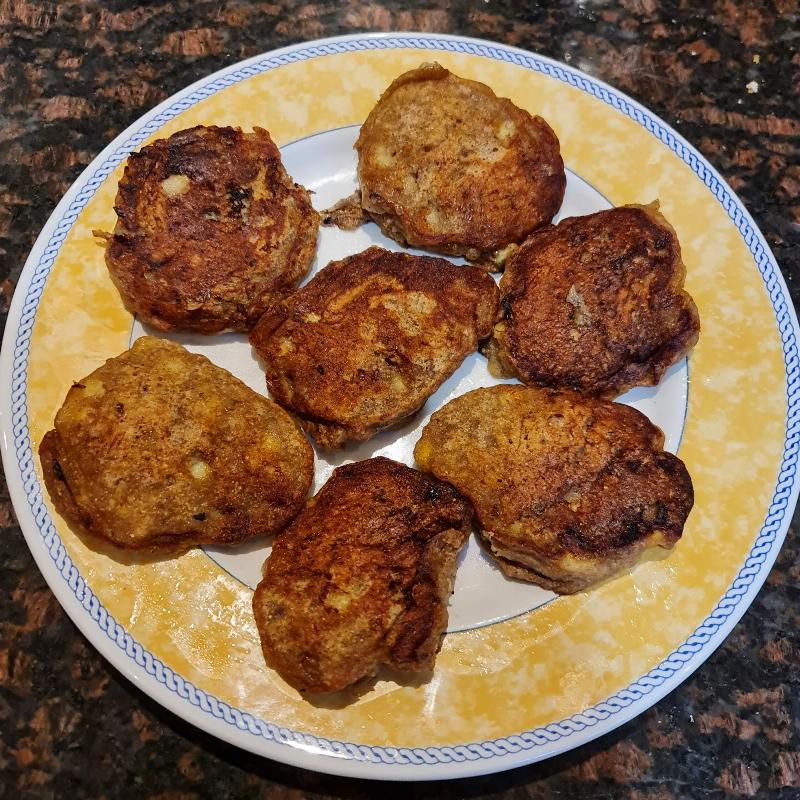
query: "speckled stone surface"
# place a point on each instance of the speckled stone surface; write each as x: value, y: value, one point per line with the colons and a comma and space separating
x: 725, y: 73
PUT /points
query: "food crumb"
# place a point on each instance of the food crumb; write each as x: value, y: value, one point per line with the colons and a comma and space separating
x: 580, y: 315
x: 752, y: 87
x: 756, y: 59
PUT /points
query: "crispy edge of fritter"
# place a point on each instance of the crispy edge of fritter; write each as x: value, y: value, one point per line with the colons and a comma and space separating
x: 589, y: 576
x: 398, y: 225
x: 414, y: 645
x: 412, y: 641
x: 331, y: 436
x: 648, y: 373
x: 80, y: 523
x: 57, y: 486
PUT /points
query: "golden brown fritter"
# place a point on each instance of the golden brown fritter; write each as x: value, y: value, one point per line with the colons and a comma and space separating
x: 362, y: 577
x: 568, y: 489
x: 596, y: 304
x: 445, y: 164
x: 210, y: 228
x: 158, y: 448
x: 365, y: 343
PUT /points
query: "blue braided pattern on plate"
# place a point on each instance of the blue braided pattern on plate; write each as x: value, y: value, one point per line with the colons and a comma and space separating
x: 417, y: 755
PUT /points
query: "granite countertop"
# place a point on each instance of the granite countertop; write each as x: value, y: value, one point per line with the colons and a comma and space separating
x: 725, y: 73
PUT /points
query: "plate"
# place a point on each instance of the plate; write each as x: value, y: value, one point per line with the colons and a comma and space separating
x: 522, y: 675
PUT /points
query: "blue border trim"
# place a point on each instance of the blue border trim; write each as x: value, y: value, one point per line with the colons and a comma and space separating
x: 677, y: 660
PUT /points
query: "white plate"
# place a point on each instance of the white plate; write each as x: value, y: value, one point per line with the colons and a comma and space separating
x: 325, y: 163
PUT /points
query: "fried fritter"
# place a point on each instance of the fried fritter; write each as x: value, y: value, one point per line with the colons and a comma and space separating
x: 210, y: 228
x: 160, y: 449
x: 596, y: 304
x: 445, y: 164
x: 365, y: 343
x: 568, y: 489
x: 362, y: 577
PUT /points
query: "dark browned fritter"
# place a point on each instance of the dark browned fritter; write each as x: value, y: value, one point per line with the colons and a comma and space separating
x: 568, y: 489
x: 160, y: 449
x: 210, y: 228
x: 370, y: 338
x: 596, y: 304
x: 445, y: 164
x: 362, y: 577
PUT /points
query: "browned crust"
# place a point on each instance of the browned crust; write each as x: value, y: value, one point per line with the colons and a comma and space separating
x: 447, y: 165
x: 361, y: 577
x: 568, y: 489
x: 515, y: 570
x: 118, y: 463
x: 57, y: 486
x: 237, y: 233
x: 80, y: 522
x: 596, y: 304
x: 362, y: 346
